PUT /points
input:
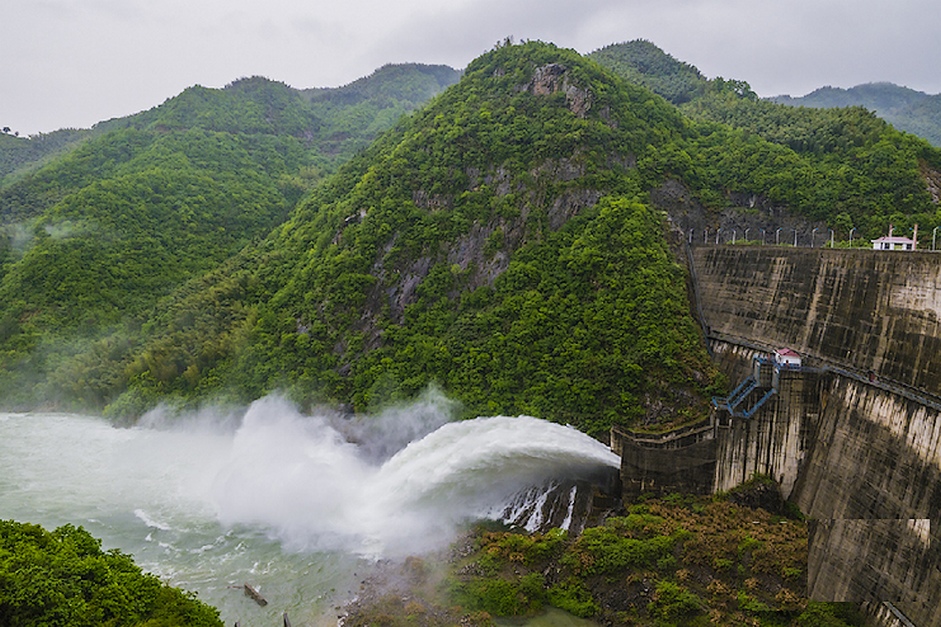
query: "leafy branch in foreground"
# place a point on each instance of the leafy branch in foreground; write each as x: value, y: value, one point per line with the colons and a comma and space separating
x: 63, y: 577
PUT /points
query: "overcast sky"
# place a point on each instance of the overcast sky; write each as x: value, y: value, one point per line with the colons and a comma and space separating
x: 72, y: 63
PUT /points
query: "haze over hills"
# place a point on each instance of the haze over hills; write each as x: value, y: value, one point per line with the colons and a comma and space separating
x: 102, y: 223
x: 643, y: 62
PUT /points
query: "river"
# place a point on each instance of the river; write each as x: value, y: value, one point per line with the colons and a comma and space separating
x: 296, y: 505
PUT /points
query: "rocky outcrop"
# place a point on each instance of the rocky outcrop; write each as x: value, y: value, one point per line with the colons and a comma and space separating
x: 932, y: 180
x: 749, y: 216
x: 553, y: 78
x: 483, y: 253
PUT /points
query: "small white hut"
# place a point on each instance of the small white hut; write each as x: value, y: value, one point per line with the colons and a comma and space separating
x: 787, y: 358
x: 894, y: 242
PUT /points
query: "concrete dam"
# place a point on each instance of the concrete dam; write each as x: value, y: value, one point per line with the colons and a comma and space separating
x: 852, y: 435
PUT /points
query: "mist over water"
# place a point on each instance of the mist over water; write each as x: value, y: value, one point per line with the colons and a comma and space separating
x: 289, y: 502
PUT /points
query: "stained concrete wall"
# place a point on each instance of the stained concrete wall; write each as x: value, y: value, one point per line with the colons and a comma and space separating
x: 886, y: 615
x: 872, y: 480
x: 681, y: 461
x: 874, y: 454
x: 871, y: 470
x: 688, y: 470
x: 862, y: 309
x: 772, y: 442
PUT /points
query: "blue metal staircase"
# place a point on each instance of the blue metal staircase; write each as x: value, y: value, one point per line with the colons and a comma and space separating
x: 740, y: 395
x: 764, y: 399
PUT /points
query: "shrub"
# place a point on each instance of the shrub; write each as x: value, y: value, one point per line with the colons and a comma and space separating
x: 672, y: 602
x: 64, y: 578
x: 574, y: 598
x: 500, y: 597
x: 602, y: 550
x: 820, y: 614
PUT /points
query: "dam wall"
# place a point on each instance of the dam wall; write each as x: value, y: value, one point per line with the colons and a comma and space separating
x: 862, y: 310
x: 680, y: 461
x: 773, y: 441
x: 868, y: 453
x: 871, y: 481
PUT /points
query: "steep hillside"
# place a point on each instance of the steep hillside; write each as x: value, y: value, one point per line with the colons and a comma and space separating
x: 837, y: 169
x: 507, y: 243
x: 497, y: 245
x: 840, y: 168
x: 91, y: 239
x: 120, y: 222
x: 355, y: 114
x: 908, y: 110
x: 20, y: 154
x: 333, y: 122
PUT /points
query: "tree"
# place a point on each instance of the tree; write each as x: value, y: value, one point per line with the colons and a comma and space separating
x: 843, y: 222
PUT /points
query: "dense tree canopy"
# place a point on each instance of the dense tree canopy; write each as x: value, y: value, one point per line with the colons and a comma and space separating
x: 643, y: 63
x: 500, y: 243
x: 91, y: 240
x: 496, y: 246
x: 64, y: 578
x: 814, y: 163
x: 906, y: 109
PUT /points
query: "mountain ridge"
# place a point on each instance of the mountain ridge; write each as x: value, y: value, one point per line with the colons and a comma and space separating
x: 907, y: 109
x: 460, y: 248
x: 400, y: 87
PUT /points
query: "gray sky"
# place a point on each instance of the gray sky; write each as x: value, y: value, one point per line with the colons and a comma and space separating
x: 72, y: 63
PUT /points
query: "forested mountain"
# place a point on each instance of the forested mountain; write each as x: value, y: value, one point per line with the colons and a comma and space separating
x: 841, y: 168
x: 496, y: 244
x: 507, y: 242
x: 643, y: 63
x: 137, y: 206
x: 908, y: 110
x: 334, y: 122
x: 355, y: 114
x: 18, y: 154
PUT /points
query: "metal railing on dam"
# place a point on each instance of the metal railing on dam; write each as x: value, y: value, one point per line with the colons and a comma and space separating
x: 826, y: 366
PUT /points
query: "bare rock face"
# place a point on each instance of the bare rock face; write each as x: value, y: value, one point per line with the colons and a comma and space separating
x: 570, y: 504
x: 932, y: 181
x: 553, y: 78
x: 547, y: 79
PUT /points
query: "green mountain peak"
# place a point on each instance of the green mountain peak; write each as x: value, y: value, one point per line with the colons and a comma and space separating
x: 507, y: 241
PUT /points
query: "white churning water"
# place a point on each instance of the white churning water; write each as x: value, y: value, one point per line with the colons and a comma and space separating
x: 288, y: 502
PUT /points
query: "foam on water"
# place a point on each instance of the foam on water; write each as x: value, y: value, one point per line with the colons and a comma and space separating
x: 276, y: 495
